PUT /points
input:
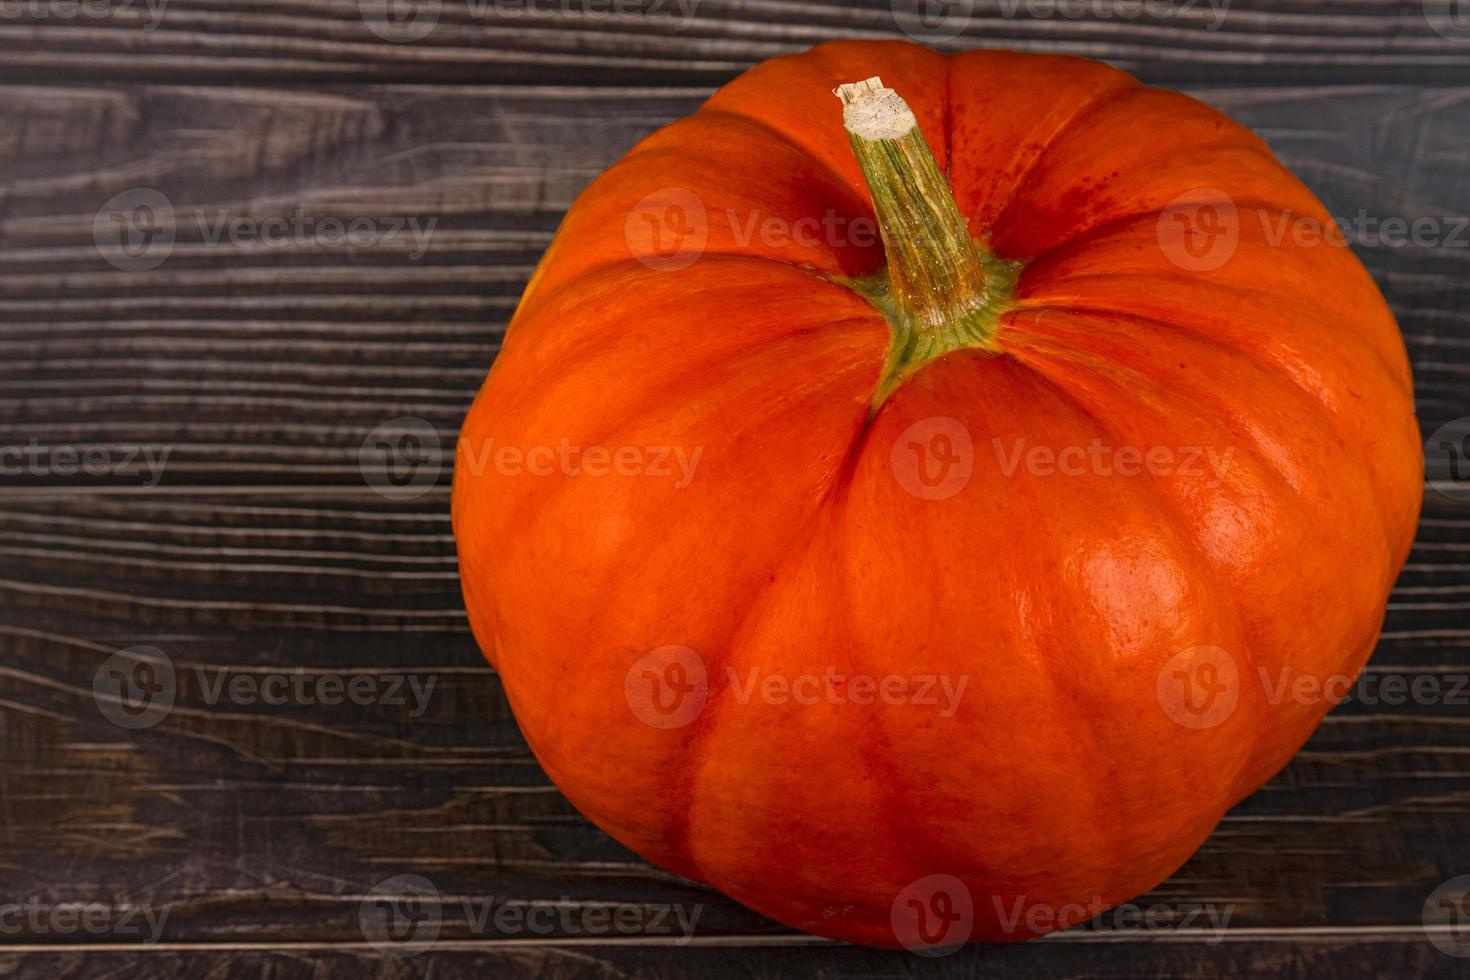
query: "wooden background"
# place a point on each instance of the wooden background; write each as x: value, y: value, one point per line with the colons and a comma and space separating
x: 260, y: 829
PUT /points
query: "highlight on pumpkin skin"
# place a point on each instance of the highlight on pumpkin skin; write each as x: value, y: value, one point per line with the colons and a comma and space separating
x: 939, y: 290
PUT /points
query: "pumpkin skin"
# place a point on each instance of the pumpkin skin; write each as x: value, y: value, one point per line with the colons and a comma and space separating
x: 1062, y: 780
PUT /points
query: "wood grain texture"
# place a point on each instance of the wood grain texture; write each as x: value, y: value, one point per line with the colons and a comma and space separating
x: 705, y: 41
x: 258, y: 831
x: 1314, y: 955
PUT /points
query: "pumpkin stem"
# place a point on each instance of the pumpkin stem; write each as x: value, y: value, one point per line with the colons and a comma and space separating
x: 935, y: 272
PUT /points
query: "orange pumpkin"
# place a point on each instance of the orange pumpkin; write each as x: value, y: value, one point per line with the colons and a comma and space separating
x: 942, y: 573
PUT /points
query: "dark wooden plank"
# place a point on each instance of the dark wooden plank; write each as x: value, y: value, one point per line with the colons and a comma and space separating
x: 1282, y: 953
x: 707, y: 41
x: 264, y: 550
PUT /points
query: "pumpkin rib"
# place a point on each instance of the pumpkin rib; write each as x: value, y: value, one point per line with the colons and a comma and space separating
x: 1335, y: 424
x: 653, y: 399
x: 1035, y: 355
x: 1088, y: 108
x: 736, y: 184
x: 1166, y: 502
x: 705, y: 730
x: 1006, y: 219
x: 800, y: 542
x: 1045, y: 541
x: 633, y: 265
x: 1050, y: 271
x: 1269, y: 764
x: 764, y: 128
x: 1026, y: 300
x: 1144, y: 369
x: 799, y: 547
x: 676, y: 839
x: 1000, y: 147
x: 616, y: 268
x: 1105, y: 833
x: 1088, y: 236
x: 1054, y: 670
x: 1102, y: 310
x: 1344, y: 659
x: 1043, y: 213
x: 1341, y: 427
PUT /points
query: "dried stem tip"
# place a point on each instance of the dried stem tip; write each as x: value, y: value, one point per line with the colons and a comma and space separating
x: 874, y: 112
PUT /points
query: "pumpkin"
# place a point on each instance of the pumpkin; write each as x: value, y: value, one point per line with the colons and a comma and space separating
x: 918, y: 514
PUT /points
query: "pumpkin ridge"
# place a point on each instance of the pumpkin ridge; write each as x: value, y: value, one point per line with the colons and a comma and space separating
x: 1086, y: 236
x: 706, y: 731
x: 1337, y: 425
x: 1268, y: 365
x: 1316, y: 313
x: 1348, y: 660
x: 1362, y: 339
x: 684, y: 785
x: 677, y: 832
x: 764, y: 128
x: 1086, y: 109
x: 1219, y: 589
x: 529, y: 509
x: 608, y: 269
